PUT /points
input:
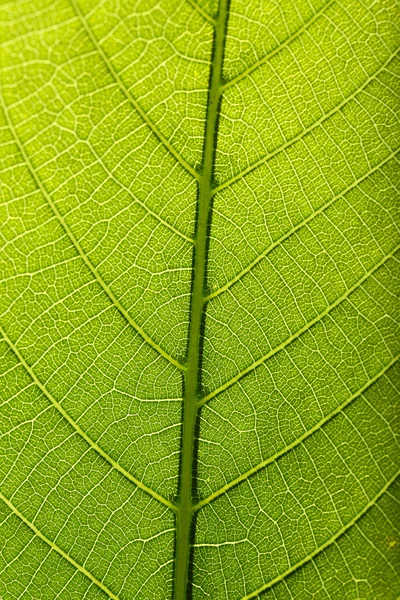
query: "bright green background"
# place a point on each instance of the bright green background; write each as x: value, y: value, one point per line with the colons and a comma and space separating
x: 102, y: 124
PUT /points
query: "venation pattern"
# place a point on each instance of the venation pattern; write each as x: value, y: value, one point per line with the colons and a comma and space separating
x: 117, y: 119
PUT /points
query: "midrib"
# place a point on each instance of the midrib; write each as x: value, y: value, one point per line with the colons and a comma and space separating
x: 192, y: 377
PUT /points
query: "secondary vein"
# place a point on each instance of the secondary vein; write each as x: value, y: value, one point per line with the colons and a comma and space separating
x: 79, y: 430
x: 338, y: 410
x: 311, y: 217
x: 79, y: 248
x: 300, y: 331
x: 57, y: 549
x: 278, y: 48
x: 202, y: 12
x: 328, y: 543
x: 160, y: 136
x: 287, y: 144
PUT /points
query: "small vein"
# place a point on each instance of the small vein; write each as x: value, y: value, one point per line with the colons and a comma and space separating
x: 166, y: 143
x: 306, y: 131
x: 57, y: 549
x: 299, y: 332
x: 328, y: 543
x: 80, y: 431
x: 79, y: 249
x: 278, y: 49
x: 293, y: 230
x: 202, y: 12
x: 271, y: 459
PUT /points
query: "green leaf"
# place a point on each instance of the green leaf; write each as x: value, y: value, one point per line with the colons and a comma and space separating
x: 198, y: 311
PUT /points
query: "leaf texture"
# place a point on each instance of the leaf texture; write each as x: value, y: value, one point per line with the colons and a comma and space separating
x: 199, y: 262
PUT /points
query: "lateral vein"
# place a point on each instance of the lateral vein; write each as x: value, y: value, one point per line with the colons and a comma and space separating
x: 300, y: 225
x: 271, y: 459
x: 299, y: 332
x: 279, y: 48
x: 79, y: 249
x: 328, y: 543
x: 161, y: 137
x: 202, y: 12
x: 80, y: 431
x: 306, y: 131
x: 57, y: 549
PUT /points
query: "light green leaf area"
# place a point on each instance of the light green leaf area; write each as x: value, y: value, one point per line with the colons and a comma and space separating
x: 198, y: 264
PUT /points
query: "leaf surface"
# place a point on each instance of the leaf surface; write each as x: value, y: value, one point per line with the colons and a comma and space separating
x: 199, y: 253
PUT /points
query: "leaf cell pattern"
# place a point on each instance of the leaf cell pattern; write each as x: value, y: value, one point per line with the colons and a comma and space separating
x: 199, y: 259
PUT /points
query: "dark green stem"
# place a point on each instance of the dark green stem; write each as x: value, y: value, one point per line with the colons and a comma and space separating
x: 192, y: 375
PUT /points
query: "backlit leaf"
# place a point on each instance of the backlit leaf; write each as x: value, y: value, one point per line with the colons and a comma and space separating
x: 198, y: 299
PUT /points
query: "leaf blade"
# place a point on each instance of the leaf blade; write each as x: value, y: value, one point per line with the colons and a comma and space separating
x: 249, y: 394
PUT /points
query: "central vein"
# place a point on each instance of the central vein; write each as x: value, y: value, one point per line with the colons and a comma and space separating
x: 192, y: 379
